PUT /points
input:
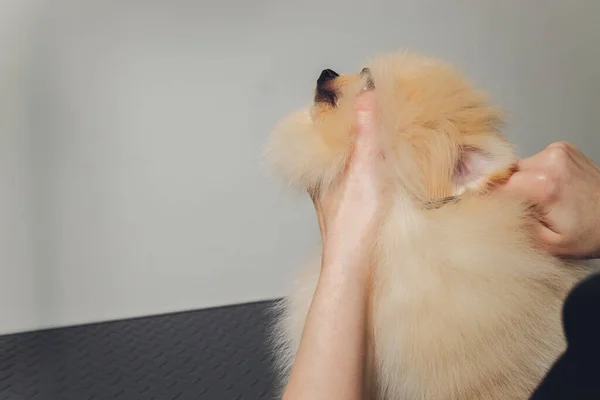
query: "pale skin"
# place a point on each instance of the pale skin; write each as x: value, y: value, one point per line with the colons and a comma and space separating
x: 330, y: 358
x: 560, y: 181
x: 565, y: 186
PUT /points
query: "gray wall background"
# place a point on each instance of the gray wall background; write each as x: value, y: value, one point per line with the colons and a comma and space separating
x: 130, y: 178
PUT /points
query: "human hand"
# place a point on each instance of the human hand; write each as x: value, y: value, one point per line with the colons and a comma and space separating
x: 329, y: 364
x: 348, y: 212
x: 564, y: 185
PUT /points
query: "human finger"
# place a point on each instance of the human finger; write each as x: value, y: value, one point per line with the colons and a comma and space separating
x: 367, y: 145
x: 547, y: 239
x: 536, y: 187
x: 534, y: 162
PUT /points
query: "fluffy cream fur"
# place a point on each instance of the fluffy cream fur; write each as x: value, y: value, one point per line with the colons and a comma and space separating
x: 462, y: 304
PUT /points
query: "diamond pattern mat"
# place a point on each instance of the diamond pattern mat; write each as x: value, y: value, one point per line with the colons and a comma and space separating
x: 214, y: 354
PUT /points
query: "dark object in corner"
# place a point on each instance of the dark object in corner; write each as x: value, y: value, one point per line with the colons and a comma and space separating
x: 576, y: 374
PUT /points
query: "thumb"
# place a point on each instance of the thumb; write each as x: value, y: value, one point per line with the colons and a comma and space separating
x: 367, y: 143
x: 547, y: 238
x: 533, y: 188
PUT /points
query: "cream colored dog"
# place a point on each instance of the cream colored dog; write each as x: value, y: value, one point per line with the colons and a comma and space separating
x: 462, y: 304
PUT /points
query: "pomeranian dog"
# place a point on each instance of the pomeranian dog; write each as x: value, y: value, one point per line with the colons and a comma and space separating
x: 463, y: 304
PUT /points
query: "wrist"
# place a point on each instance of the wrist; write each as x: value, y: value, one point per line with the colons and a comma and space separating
x: 343, y: 280
x: 341, y: 256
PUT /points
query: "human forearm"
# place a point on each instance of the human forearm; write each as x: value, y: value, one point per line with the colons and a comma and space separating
x: 330, y: 359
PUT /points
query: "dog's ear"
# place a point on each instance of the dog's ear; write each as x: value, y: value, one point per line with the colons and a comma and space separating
x: 483, y: 163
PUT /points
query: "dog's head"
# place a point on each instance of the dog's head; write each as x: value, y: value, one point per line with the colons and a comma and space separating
x: 440, y: 134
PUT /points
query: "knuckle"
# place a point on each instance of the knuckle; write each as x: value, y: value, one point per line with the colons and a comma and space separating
x: 558, y: 241
x: 557, y: 156
x: 562, y: 145
x: 549, y: 185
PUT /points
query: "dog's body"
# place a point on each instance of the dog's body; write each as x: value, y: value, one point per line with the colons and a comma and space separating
x: 462, y: 304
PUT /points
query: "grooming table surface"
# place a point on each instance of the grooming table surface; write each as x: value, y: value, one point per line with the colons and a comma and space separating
x: 216, y: 354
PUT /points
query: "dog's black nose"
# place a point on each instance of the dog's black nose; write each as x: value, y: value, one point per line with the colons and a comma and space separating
x: 327, y: 75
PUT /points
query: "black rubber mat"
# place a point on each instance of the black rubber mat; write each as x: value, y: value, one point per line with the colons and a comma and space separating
x: 214, y: 354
